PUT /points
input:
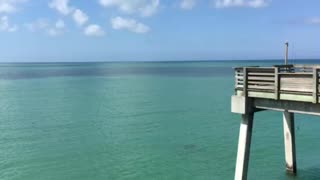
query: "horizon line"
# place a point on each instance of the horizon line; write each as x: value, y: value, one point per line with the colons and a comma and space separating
x: 155, y: 61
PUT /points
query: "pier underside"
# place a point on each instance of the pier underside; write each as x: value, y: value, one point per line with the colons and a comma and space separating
x: 253, y: 105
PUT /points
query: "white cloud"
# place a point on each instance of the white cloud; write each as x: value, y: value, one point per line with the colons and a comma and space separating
x: 42, y: 25
x: 37, y: 25
x: 57, y: 29
x: 93, y: 30
x: 9, y: 6
x: 60, y: 24
x: 143, y: 7
x: 187, y: 4
x: 62, y: 6
x: 6, y: 26
x: 314, y: 20
x: 53, y: 32
x: 241, y: 3
x: 129, y: 24
x: 80, y: 17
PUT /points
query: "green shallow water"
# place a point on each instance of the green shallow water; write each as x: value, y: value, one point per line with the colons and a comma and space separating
x: 139, y: 121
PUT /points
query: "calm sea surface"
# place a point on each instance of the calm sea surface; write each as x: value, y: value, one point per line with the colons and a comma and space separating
x: 97, y: 121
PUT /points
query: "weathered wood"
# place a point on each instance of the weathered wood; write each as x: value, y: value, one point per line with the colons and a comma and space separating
x: 296, y: 97
x: 296, y: 79
x: 260, y: 78
x: 315, y: 85
x: 295, y: 88
x: 276, y: 83
x: 296, y: 73
x: 244, y: 144
x: 268, y: 95
x: 261, y: 82
x: 260, y: 74
x: 239, y: 77
x: 260, y: 69
x: 307, y: 66
x: 298, y: 93
x: 301, y: 83
x: 261, y: 87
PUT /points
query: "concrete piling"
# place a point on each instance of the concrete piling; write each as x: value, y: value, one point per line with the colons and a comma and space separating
x: 244, y: 146
x: 289, y: 142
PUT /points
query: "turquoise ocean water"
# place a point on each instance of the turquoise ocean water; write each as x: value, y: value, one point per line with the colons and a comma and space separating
x: 163, y: 120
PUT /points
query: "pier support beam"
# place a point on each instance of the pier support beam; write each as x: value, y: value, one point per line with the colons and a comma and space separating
x: 244, y: 147
x: 289, y: 142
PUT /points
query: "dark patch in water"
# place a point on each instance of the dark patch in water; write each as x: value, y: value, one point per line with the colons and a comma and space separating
x: 26, y: 73
x: 189, y: 146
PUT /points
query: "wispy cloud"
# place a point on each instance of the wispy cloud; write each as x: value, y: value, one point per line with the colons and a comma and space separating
x: 313, y: 20
x: 143, y: 7
x: 80, y: 17
x: 94, y: 30
x: 62, y: 6
x: 37, y: 25
x: 241, y: 3
x: 43, y: 25
x: 6, y: 26
x: 57, y: 29
x: 59, y: 24
x: 187, y: 4
x: 10, y: 6
x: 129, y: 24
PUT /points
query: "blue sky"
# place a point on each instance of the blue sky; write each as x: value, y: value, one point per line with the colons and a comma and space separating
x: 155, y: 30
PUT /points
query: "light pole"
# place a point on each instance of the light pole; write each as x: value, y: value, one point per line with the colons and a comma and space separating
x: 287, y: 48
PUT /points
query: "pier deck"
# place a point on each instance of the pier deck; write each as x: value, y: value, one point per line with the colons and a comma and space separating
x: 287, y: 88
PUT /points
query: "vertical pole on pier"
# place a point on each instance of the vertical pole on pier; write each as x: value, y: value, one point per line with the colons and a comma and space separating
x: 287, y: 50
x: 289, y: 142
x: 244, y: 147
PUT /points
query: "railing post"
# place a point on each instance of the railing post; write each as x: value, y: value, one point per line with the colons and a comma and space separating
x: 276, y: 83
x: 236, y: 79
x: 315, y: 85
x: 245, y: 82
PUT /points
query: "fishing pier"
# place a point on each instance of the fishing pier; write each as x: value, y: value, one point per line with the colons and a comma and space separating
x: 287, y: 88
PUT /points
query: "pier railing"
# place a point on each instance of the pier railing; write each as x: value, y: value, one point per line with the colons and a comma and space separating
x: 280, y: 82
